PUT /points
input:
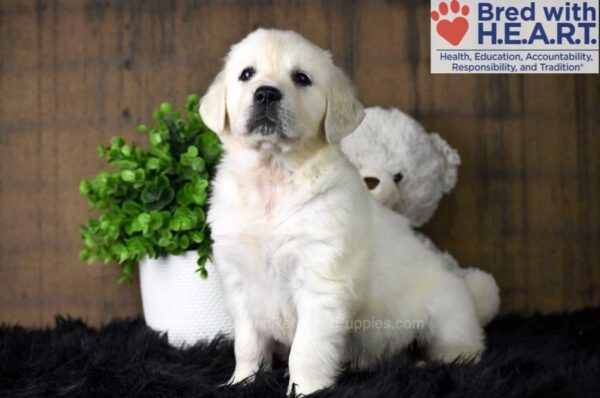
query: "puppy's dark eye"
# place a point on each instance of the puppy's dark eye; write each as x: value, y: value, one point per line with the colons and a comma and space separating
x: 301, y: 79
x: 247, y: 74
x: 398, y: 177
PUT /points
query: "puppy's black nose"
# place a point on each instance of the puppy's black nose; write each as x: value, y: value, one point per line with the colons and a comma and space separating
x: 267, y: 94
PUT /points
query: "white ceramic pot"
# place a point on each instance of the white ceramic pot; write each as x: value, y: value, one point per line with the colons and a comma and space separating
x: 177, y: 301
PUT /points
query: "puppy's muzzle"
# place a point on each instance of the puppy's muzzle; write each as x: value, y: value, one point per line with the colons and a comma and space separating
x: 265, y: 118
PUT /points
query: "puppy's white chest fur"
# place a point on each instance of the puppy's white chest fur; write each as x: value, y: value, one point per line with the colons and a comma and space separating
x: 257, y: 216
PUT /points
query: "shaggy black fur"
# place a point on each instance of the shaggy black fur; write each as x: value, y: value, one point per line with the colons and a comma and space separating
x: 536, y: 356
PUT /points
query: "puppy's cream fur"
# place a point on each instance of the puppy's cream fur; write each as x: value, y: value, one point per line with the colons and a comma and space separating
x: 306, y: 254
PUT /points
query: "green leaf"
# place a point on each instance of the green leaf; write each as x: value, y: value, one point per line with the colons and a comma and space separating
x: 127, y: 275
x: 198, y: 190
x: 210, y: 147
x: 184, y: 219
x: 131, y: 208
x: 162, y: 182
x: 155, y: 138
x: 140, y: 175
x: 165, y: 107
x: 117, y: 142
x: 84, y: 254
x: 165, y: 238
x: 184, y: 242
x: 137, y: 246
x: 134, y: 226
x: 85, y: 187
x: 120, y: 252
x: 153, y: 164
x: 197, y: 236
x: 197, y: 164
x: 163, y: 200
x: 192, y: 151
x: 128, y: 175
x: 102, y: 151
x: 126, y: 150
x: 124, y: 164
x: 144, y: 219
x: 160, y: 153
x: 192, y: 103
x: 202, y: 259
x: 185, y: 196
x: 150, y: 194
x: 156, y: 220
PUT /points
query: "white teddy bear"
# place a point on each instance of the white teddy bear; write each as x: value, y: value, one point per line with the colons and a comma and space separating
x: 409, y: 170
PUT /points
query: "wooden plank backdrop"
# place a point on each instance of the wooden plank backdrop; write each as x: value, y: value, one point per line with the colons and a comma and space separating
x: 73, y: 73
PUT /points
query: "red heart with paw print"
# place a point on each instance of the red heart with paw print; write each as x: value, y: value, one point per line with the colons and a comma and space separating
x: 453, y: 31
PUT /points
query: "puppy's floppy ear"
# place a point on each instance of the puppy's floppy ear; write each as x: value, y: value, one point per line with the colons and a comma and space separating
x: 212, y: 105
x: 344, y: 112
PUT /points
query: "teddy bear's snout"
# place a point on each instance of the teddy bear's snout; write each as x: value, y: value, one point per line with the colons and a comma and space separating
x: 381, y: 184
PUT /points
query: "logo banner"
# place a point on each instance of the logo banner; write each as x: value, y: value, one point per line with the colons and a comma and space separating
x: 512, y: 36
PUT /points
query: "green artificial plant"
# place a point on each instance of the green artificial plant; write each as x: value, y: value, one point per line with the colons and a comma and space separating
x: 153, y: 201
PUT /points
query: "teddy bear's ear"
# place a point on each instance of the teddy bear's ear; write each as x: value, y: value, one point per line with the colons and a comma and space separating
x: 451, y: 161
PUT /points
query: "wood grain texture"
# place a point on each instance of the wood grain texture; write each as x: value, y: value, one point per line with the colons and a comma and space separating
x: 73, y: 73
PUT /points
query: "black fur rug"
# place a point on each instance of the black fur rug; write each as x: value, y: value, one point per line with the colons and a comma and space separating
x: 536, y: 356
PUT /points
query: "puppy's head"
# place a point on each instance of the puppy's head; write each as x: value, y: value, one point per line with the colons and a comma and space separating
x: 278, y: 92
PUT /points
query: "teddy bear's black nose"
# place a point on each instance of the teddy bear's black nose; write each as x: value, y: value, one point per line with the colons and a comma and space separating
x: 371, y: 182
